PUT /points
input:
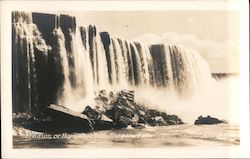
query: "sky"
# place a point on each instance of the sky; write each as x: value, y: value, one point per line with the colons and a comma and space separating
x: 215, y: 25
x: 214, y: 34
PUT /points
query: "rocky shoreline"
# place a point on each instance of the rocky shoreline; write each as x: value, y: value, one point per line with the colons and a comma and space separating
x: 112, y: 111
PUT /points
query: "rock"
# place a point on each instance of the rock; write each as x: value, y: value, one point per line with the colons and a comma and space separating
x: 138, y: 126
x: 104, y: 95
x: 21, y: 118
x: 160, y: 121
x: 46, y: 24
x: 91, y: 113
x: 106, y: 42
x: 135, y: 119
x: 67, y: 23
x: 124, y: 111
x: 103, y: 100
x: 120, y: 115
x: 150, y: 120
x: 171, y: 119
x: 123, y: 120
x: 153, y: 113
x: 142, y: 112
x: 105, y: 118
x: 69, y: 120
x: 83, y: 33
x: 208, y: 120
x: 104, y: 123
x: 126, y: 95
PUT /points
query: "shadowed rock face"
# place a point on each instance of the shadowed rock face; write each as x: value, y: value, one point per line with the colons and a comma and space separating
x: 29, y: 64
x: 36, y: 70
x: 67, y: 22
x: 208, y: 120
x: 68, y: 26
x: 46, y: 23
x: 124, y: 111
x: 91, y: 35
x: 106, y: 42
x: 135, y: 73
x: 158, y: 56
x: 55, y: 71
x: 83, y: 33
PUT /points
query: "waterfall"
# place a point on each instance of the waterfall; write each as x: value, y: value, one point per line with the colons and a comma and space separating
x: 28, y: 81
x: 101, y: 64
x: 66, y: 88
x: 83, y: 67
x: 83, y: 61
x: 120, y: 63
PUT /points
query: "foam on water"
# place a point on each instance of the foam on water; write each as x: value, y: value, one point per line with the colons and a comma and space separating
x: 172, y: 136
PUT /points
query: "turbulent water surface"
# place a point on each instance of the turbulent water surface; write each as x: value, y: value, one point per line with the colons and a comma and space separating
x: 180, y: 135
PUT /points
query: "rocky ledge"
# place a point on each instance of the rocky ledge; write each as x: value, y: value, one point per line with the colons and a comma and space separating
x: 111, y: 111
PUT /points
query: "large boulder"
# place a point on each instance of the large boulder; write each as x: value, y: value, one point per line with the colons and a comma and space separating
x: 69, y: 120
x: 208, y: 120
x: 171, y: 119
x: 91, y: 113
x: 121, y: 115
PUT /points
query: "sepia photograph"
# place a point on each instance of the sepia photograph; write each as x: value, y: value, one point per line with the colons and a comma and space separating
x: 129, y: 79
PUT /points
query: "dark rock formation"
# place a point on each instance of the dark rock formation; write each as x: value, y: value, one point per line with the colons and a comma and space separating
x: 91, y: 113
x: 37, y: 75
x: 121, y: 112
x: 106, y: 42
x: 91, y: 35
x: 29, y: 65
x: 83, y: 33
x: 208, y: 120
x: 158, y: 56
x: 46, y: 23
x: 67, y: 23
x: 69, y: 120
x: 135, y: 74
x: 124, y: 111
x: 221, y: 76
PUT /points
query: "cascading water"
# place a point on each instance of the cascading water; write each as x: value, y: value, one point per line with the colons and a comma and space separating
x: 27, y: 47
x: 66, y: 88
x: 83, y: 61
x: 120, y: 61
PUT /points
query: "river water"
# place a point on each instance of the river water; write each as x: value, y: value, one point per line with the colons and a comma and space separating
x: 168, y: 136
